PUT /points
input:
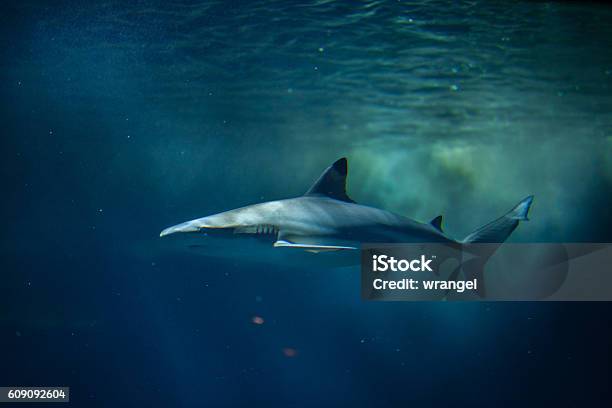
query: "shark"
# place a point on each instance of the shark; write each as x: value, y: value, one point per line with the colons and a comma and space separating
x: 326, y: 220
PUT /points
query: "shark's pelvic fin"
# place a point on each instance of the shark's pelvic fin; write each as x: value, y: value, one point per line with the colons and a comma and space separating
x: 332, y: 183
x: 310, y: 247
x: 437, y: 223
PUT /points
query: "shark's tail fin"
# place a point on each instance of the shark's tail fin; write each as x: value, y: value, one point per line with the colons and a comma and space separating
x: 499, y: 230
x: 495, y: 232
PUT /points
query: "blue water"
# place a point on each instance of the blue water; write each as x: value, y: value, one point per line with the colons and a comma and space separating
x: 122, y: 118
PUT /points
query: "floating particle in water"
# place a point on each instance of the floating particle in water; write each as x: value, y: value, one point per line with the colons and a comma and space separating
x: 289, y: 352
x: 321, y: 49
x: 454, y: 88
x: 257, y: 320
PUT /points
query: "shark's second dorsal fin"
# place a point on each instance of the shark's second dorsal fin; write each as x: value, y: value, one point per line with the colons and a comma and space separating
x: 332, y: 183
x: 437, y: 223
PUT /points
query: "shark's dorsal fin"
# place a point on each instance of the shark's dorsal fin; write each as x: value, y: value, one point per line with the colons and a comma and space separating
x: 332, y: 183
x: 437, y: 223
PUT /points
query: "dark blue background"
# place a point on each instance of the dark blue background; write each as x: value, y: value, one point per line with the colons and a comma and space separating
x: 119, y: 119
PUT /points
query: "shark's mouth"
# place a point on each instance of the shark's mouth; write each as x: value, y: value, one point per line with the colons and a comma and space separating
x: 193, y: 227
x: 220, y: 241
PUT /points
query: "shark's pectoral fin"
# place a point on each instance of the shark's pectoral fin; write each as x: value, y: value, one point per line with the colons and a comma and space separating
x: 310, y: 247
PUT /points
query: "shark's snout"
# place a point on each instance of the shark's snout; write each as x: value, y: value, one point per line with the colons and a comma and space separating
x: 188, y: 226
x: 206, y: 225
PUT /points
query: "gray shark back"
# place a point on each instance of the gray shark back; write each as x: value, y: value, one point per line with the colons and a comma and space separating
x: 324, y: 217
